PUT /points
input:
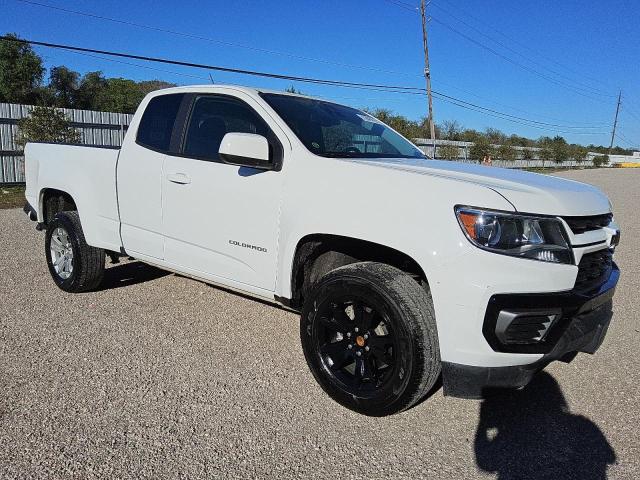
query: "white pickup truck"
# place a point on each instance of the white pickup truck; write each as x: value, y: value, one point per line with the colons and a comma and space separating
x: 404, y: 269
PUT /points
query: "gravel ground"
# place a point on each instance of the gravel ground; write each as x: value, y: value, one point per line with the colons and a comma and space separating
x: 159, y: 376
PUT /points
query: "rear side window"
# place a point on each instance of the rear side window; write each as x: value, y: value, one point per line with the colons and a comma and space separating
x: 214, y: 116
x: 158, y: 120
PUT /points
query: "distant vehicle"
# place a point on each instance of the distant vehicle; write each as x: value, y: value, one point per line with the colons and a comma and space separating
x: 403, y: 268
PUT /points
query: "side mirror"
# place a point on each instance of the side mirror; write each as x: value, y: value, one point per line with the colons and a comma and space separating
x: 245, y: 150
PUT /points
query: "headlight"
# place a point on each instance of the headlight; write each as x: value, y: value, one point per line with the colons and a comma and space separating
x: 537, y: 238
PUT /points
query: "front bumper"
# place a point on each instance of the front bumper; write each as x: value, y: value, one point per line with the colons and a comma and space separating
x: 581, y: 328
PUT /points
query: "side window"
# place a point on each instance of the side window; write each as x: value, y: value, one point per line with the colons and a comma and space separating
x: 158, y: 119
x: 214, y: 116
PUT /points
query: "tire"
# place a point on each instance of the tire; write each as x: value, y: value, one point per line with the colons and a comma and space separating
x: 74, y: 265
x: 369, y: 336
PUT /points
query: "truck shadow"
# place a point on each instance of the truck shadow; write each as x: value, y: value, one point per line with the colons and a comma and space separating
x: 532, y: 434
x: 130, y: 273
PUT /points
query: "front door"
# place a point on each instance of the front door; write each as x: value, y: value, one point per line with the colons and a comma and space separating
x: 220, y: 221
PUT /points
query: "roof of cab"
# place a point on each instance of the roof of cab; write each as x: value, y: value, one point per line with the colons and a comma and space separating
x: 213, y: 88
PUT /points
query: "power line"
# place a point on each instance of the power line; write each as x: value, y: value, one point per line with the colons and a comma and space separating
x: 468, y: 107
x: 629, y: 112
x: 578, y: 90
x: 516, y: 109
x: 147, y: 67
x: 516, y: 52
x: 217, y: 41
x: 338, y: 83
x: 513, y: 116
x: 200, y: 37
x: 516, y: 63
x: 624, y: 139
x: 526, y: 46
x: 403, y: 89
x: 406, y: 6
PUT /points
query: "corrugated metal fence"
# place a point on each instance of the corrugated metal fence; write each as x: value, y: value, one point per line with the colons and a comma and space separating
x: 96, y: 128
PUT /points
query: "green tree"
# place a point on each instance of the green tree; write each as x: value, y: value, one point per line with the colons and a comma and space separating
x: 292, y: 89
x: 407, y: 128
x: 448, y: 152
x: 91, y: 91
x: 481, y: 148
x: 450, y: 130
x: 121, y: 95
x: 526, y: 154
x: 63, y: 84
x: 424, y: 131
x: 520, y: 141
x: 545, y: 149
x: 470, y: 135
x: 149, y: 86
x: 600, y: 160
x: 560, y: 149
x: 45, y: 124
x: 495, y: 136
x: 21, y: 72
x: 578, y: 153
x: 507, y: 153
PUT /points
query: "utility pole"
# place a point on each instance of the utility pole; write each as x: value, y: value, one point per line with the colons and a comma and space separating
x: 427, y: 71
x: 615, y: 122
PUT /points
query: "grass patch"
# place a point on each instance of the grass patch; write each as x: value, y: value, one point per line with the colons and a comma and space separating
x: 12, y: 197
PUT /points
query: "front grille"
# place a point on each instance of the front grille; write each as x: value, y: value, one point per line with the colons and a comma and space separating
x: 580, y: 225
x: 594, y: 269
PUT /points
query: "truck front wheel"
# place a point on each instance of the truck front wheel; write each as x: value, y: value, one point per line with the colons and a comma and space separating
x: 74, y: 265
x: 369, y: 336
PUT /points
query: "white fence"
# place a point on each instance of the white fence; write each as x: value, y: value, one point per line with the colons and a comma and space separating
x: 95, y: 128
x: 430, y: 148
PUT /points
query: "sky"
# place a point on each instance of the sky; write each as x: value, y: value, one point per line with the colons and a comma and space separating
x: 557, y: 63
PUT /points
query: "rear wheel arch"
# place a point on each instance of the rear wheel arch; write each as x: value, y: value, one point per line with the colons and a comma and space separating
x: 318, y: 254
x: 53, y: 201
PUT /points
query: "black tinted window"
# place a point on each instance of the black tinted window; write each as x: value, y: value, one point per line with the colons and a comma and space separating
x: 157, y: 121
x: 333, y: 130
x: 212, y: 117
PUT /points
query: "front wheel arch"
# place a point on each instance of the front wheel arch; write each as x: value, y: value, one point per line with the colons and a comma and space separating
x: 317, y: 254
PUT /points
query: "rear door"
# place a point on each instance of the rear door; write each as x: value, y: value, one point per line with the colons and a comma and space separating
x: 220, y: 221
x: 139, y: 176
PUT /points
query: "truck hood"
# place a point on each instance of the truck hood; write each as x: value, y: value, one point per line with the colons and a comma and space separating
x: 527, y: 192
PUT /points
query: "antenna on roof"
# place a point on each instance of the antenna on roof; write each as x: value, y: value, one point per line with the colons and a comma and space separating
x: 211, y: 78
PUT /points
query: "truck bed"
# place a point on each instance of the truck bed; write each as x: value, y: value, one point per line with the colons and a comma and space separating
x: 86, y: 173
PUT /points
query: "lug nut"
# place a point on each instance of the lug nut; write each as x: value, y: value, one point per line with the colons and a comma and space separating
x: 366, y: 335
x: 356, y: 329
x: 349, y: 346
x: 348, y: 334
x: 358, y: 353
x: 366, y: 349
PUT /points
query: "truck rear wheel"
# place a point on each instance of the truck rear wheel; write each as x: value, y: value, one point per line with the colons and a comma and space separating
x: 369, y: 336
x: 74, y: 265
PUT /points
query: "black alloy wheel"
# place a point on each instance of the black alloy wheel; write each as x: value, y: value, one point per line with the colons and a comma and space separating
x: 369, y: 336
x: 357, y: 344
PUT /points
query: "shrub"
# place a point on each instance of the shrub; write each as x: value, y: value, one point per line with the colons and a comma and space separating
x: 448, y: 152
x: 45, y: 124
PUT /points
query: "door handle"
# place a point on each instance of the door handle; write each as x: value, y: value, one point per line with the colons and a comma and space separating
x: 179, y: 178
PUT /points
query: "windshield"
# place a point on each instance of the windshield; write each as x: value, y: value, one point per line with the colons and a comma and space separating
x: 333, y: 130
